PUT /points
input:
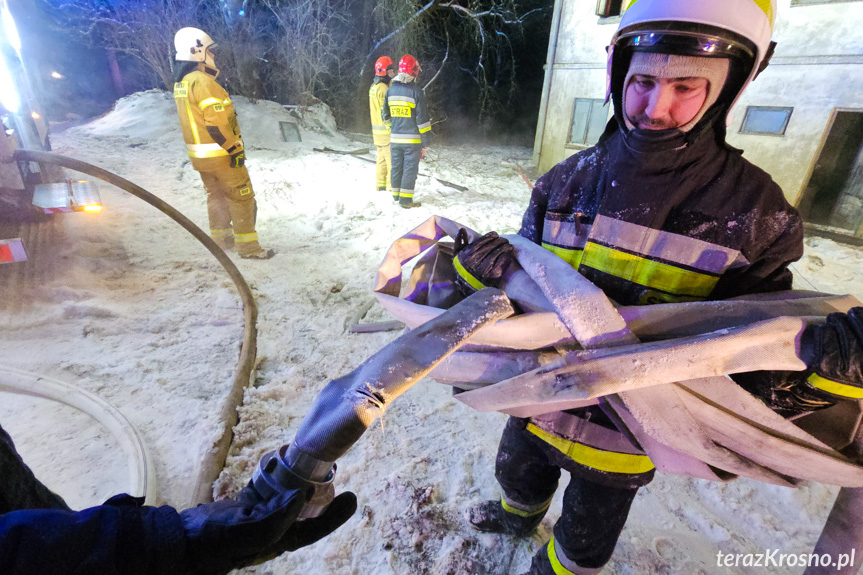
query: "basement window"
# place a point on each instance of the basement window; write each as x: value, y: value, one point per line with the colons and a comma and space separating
x: 608, y: 8
x: 589, y: 117
x: 766, y: 120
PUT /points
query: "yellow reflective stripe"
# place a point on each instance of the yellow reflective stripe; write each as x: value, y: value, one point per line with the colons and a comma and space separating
x: 835, y: 387
x: 609, y: 461
x: 402, y: 102
x: 406, y: 140
x: 244, y: 238
x: 192, y: 123
x: 220, y: 233
x: 424, y: 130
x: 556, y: 565
x: 649, y: 273
x: 208, y: 102
x: 767, y: 7
x: 206, y: 150
x: 406, y: 193
x: 572, y: 257
x: 521, y: 513
x: 466, y: 275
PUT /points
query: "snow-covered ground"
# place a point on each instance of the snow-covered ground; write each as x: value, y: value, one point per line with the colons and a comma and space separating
x: 139, y: 313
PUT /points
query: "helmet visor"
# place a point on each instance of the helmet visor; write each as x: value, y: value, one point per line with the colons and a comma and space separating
x: 690, y: 40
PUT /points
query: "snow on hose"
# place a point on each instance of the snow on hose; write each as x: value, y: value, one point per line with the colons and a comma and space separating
x: 141, y: 473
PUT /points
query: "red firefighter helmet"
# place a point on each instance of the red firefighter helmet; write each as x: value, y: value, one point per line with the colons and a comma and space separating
x: 409, y: 65
x: 381, y: 66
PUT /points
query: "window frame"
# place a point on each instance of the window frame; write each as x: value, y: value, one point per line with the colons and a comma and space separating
x: 593, y: 101
x: 749, y: 109
x: 606, y: 8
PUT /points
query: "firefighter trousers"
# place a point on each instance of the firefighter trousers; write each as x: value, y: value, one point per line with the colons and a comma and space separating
x: 384, y: 168
x: 231, y: 207
x: 405, y: 167
x: 593, y: 513
x: 19, y: 488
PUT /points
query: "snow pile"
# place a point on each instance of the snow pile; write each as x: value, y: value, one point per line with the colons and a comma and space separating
x: 141, y: 314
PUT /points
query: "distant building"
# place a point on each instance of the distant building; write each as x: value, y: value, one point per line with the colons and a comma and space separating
x: 801, y: 120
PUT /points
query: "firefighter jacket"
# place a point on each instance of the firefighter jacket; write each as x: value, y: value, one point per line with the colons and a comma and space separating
x: 652, y: 223
x: 207, y: 119
x: 406, y: 113
x: 377, y: 95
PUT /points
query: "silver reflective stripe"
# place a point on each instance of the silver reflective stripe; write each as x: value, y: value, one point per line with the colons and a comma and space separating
x: 424, y: 125
x: 562, y: 234
x: 404, y: 136
x: 383, y: 128
x: 656, y: 244
x: 569, y: 564
x: 527, y: 510
x: 402, y: 100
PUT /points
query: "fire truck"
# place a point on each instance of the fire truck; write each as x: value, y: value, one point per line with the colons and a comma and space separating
x: 30, y: 193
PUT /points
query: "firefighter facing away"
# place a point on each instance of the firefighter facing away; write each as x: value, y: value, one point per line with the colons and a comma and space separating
x: 406, y: 113
x: 385, y: 70
x: 215, y: 146
x: 660, y: 210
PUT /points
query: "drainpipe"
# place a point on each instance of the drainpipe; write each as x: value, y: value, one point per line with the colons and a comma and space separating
x: 546, y: 84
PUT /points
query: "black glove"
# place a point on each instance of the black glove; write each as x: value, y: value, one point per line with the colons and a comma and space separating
x: 833, y: 352
x: 233, y: 533
x: 238, y: 160
x: 483, y: 263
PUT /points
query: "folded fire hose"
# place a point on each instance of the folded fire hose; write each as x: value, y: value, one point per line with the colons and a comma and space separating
x: 573, y: 347
x: 672, y: 392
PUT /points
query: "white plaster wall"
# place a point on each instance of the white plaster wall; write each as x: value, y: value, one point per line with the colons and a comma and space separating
x: 818, y: 67
x: 814, y: 92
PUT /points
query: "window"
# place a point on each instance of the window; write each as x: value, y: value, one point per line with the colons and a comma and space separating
x: 589, y: 117
x: 811, y: 2
x: 608, y: 8
x: 765, y: 120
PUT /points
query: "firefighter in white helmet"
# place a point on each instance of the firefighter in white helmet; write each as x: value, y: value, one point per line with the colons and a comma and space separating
x: 660, y: 210
x: 215, y: 146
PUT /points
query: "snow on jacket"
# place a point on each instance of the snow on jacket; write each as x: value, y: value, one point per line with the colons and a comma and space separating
x: 406, y: 113
x: 377, y: 94
x: 654, y: 224
x: 207, y: 119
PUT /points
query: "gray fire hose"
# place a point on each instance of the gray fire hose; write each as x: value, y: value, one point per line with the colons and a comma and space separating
x: 348, y: 405
x: 214, y: 459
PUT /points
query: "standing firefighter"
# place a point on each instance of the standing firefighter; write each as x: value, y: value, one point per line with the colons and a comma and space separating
x: 214, y: 144
x: 385, y: 70
x: 660, y: 210
x: 406, y: 113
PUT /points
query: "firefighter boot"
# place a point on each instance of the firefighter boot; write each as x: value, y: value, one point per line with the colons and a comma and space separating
x: 408, y: 203
x: 492, y: 517
x: 261, y: 254
x: 545, y: 564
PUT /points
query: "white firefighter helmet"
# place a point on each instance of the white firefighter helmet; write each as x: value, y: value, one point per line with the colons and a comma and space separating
x: 740, y: 30
x: 192, y: 44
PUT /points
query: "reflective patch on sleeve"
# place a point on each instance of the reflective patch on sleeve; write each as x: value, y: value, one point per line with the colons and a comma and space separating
x: 218, y: 108
x: 245, y: 191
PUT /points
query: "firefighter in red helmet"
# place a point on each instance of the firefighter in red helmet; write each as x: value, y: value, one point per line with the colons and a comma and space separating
x: 385, y: 70
x: 406, y: 113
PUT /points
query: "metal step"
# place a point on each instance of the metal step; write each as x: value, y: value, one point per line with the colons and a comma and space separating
x: 68, y: 196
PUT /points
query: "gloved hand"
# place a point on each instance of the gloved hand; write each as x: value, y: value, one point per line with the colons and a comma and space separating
x: 483, y: 263
x: 238, y: 159
x: 833, y: 352
x: 233, y: 533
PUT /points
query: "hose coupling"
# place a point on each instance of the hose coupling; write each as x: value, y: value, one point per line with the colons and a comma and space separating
x: 274, y: 475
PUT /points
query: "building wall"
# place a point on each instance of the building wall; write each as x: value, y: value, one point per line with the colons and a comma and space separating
x: 818, y: 67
